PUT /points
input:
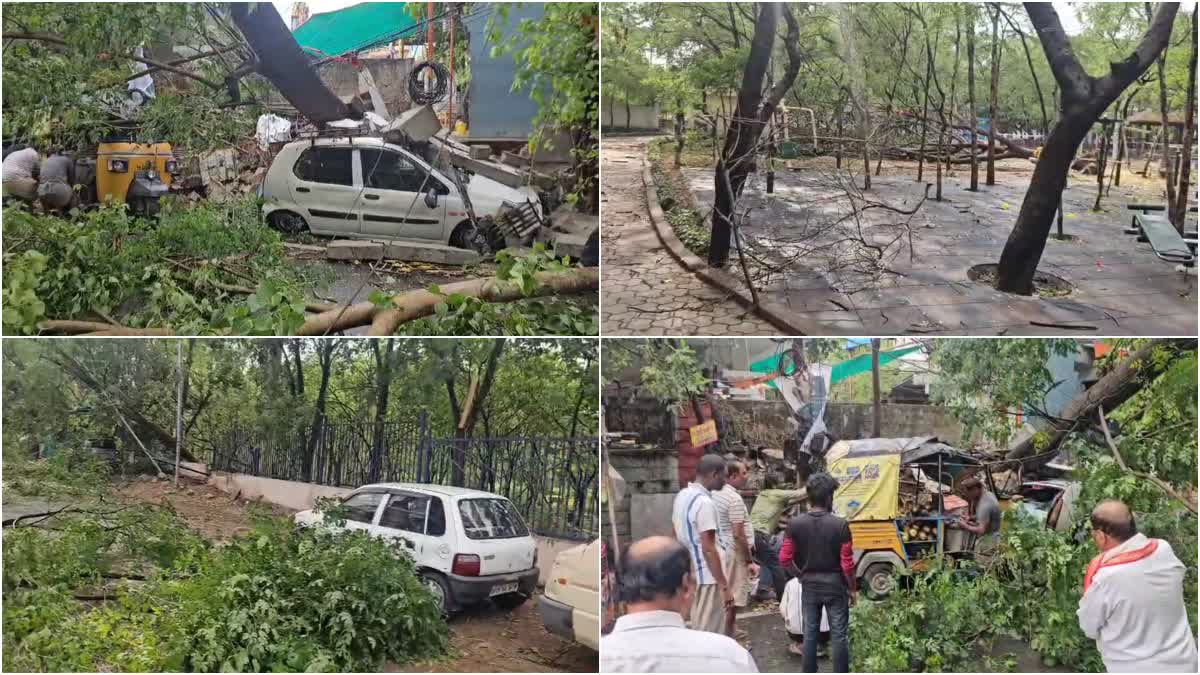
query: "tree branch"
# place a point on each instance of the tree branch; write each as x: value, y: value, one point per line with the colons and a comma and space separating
x: 1155, y: 480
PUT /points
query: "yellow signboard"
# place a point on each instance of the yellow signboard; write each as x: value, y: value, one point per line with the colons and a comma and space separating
x: 869, y: 486
x: 703, y: 434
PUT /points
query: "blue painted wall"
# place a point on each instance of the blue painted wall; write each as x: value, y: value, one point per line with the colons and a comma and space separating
x: 497, y: 112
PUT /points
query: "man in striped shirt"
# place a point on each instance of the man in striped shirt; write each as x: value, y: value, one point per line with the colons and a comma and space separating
x: 695, y: 520
x: 735, y: 536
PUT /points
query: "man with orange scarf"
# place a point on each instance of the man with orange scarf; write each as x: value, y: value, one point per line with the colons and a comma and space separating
x: 1132, y: 603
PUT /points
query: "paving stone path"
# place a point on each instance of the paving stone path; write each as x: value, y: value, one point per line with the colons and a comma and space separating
x: 645, y: 291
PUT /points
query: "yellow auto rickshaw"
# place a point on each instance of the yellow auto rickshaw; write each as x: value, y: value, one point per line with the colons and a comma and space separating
x: 138, y: 174
x: 896, y: 492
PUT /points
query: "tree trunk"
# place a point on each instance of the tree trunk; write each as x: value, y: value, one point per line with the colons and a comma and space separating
x: 466, y: 419
x: 991, y: 152
x: 1101, y: 161
x: 679, y: 123
x: 325, y: 350
x: 924, y: 123
x: 1114, y: 388
x: 1168, y: 167
x: 383, y: 382
x: 1180, y: 206
x: 749, y: 117
x: 877, y: 407
x: 1084, y: 98
x: 971, y: 102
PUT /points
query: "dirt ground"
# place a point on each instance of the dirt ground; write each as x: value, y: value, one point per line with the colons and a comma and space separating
x: 486, y: 639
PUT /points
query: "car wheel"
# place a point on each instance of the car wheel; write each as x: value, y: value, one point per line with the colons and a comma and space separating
x: 879, y: 580
x: 485, y: 239
x: 510, y: 600
x: 437, y: 587
x: 287, y: 222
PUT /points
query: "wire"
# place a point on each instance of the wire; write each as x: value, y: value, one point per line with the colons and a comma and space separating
x: 416, y: 83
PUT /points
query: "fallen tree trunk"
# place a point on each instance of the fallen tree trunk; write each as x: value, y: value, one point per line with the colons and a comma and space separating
x: 408, y: 306
x: 1114, y: 388
x: 412, y: 305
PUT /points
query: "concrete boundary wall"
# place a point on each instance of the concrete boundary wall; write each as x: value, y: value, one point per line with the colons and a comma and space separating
x: 300, y: 496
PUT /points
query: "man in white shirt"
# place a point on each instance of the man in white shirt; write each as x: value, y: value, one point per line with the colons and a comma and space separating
x: 656, y: 586
x: 1132, y: 603
x: 695, y: 520
x: 20, y: 174
x: 735, y: 536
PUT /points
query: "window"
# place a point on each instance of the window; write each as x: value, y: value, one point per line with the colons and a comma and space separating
x: 405, y: 512
x: 361, y: 507
x: 436, y: 526
x: 491, y: 518
x: 391, y: 171
x: 326, y: 165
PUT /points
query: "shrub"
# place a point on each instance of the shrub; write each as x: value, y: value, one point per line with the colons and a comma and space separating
x: 279, y: 599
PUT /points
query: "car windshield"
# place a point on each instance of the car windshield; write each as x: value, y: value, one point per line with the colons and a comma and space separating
x: 491, y: 519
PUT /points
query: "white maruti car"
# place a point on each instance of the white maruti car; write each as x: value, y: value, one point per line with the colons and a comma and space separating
x: 468, y: 545
x: 362, y: 187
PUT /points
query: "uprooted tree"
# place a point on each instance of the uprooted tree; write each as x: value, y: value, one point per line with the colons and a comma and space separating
x: 1083, y: 99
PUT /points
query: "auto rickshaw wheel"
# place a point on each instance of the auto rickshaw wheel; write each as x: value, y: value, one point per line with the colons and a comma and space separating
x: 879, y: 580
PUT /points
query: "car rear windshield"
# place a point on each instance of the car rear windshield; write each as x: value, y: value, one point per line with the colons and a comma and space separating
x: 491, y: 519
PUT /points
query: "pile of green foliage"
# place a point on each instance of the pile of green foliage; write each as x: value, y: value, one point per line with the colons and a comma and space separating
x: 278, y: 599
x: 944, y: 620
x: 107, y: 262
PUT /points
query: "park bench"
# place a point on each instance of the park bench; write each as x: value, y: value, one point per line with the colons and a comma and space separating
x: 1167, y: 243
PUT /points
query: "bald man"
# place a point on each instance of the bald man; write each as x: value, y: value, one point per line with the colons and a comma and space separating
x: 1132, y: 603
x: 694, y: 517
x: 656, y: 586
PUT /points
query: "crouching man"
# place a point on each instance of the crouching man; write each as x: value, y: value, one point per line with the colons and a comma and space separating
x: 657, y: 585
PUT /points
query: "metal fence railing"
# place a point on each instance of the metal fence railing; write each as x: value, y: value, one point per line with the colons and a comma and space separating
x: 554, y: 482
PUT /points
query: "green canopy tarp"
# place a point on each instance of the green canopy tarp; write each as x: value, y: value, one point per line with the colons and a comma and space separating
x: 848, y: 368
x: 353, y: 28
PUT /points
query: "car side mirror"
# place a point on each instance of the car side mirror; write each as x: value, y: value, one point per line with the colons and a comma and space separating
x: 431, y: 198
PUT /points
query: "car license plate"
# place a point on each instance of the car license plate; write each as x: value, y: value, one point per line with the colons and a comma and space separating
x: 504, y: 588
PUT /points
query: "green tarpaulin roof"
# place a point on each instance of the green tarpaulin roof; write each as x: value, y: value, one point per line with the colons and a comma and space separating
x: 353, y: 28
x: 848, y: 368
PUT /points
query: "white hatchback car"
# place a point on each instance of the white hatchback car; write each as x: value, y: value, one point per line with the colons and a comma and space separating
x: 468, y: 545
x: 362, y: 187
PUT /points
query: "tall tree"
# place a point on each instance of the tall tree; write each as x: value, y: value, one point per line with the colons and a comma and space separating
x: 973, y: 116
x: 384, y: 357
x: 749, y: 117
x: 993, y: 102
x: 1083, y: 99
x: 325, y: 353
x: 1165, y: 111
x: 1180, y: 205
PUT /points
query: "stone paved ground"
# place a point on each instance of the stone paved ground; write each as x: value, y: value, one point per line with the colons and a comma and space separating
x: 645, y: 291
x: 1120, y: 288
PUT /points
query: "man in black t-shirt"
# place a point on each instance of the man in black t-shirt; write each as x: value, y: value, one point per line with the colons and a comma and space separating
x: 820, y: 550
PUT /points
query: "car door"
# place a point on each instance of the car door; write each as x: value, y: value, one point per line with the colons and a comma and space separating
x: 361, y: 510
x: 393, y: 203
x: 417, y: 521
x: 323, y: 185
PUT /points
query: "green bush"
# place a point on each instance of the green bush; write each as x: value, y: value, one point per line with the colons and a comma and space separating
x: 279, y: 599
x: 149, y: 272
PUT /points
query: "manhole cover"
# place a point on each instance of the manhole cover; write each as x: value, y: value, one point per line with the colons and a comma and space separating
x: 1045, y: 284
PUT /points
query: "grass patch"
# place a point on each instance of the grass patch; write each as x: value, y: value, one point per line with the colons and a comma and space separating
x: 686, y: 221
